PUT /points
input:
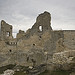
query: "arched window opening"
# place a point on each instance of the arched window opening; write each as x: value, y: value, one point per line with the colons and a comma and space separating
x: 40, y: 28
x: 8, y: 34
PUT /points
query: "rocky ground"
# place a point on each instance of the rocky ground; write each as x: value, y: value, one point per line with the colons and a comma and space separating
x: 57, y: 72
x: 21, y: 70
x: 62, y: 63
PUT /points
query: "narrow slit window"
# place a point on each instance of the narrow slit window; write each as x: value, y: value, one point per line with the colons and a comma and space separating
x: 40, y: 28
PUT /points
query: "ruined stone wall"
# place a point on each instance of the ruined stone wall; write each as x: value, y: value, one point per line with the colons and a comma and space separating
x: 34, y: 43
x: 6, y: 47
x: 42, y: 24
x: 39, y: 35
x: 69, y: 39
x: 35, y: 40
x: 6, y: 30
x: 58, y: 34
x: 66, y: 41
x: 7, y: 43
x: 21, y: 34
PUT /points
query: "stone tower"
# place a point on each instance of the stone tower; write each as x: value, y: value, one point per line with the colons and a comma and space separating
x: 6, y: 30
x: 43, y: 23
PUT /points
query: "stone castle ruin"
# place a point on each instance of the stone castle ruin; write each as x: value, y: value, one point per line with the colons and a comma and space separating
x: 35, y: 46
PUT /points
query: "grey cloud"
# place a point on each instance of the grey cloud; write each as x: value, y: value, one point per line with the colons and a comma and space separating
x: 24, y: 12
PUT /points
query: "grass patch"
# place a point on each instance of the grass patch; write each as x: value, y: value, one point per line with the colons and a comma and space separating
x: 60, y: 72
x: 57, y: 72
x: 46, y: 72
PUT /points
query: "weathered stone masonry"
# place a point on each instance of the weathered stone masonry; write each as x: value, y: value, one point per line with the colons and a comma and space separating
x: 34, y: 43
x: 6, y: 30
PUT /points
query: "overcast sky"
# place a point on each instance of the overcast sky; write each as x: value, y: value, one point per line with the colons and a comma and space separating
x: 21, y: 14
